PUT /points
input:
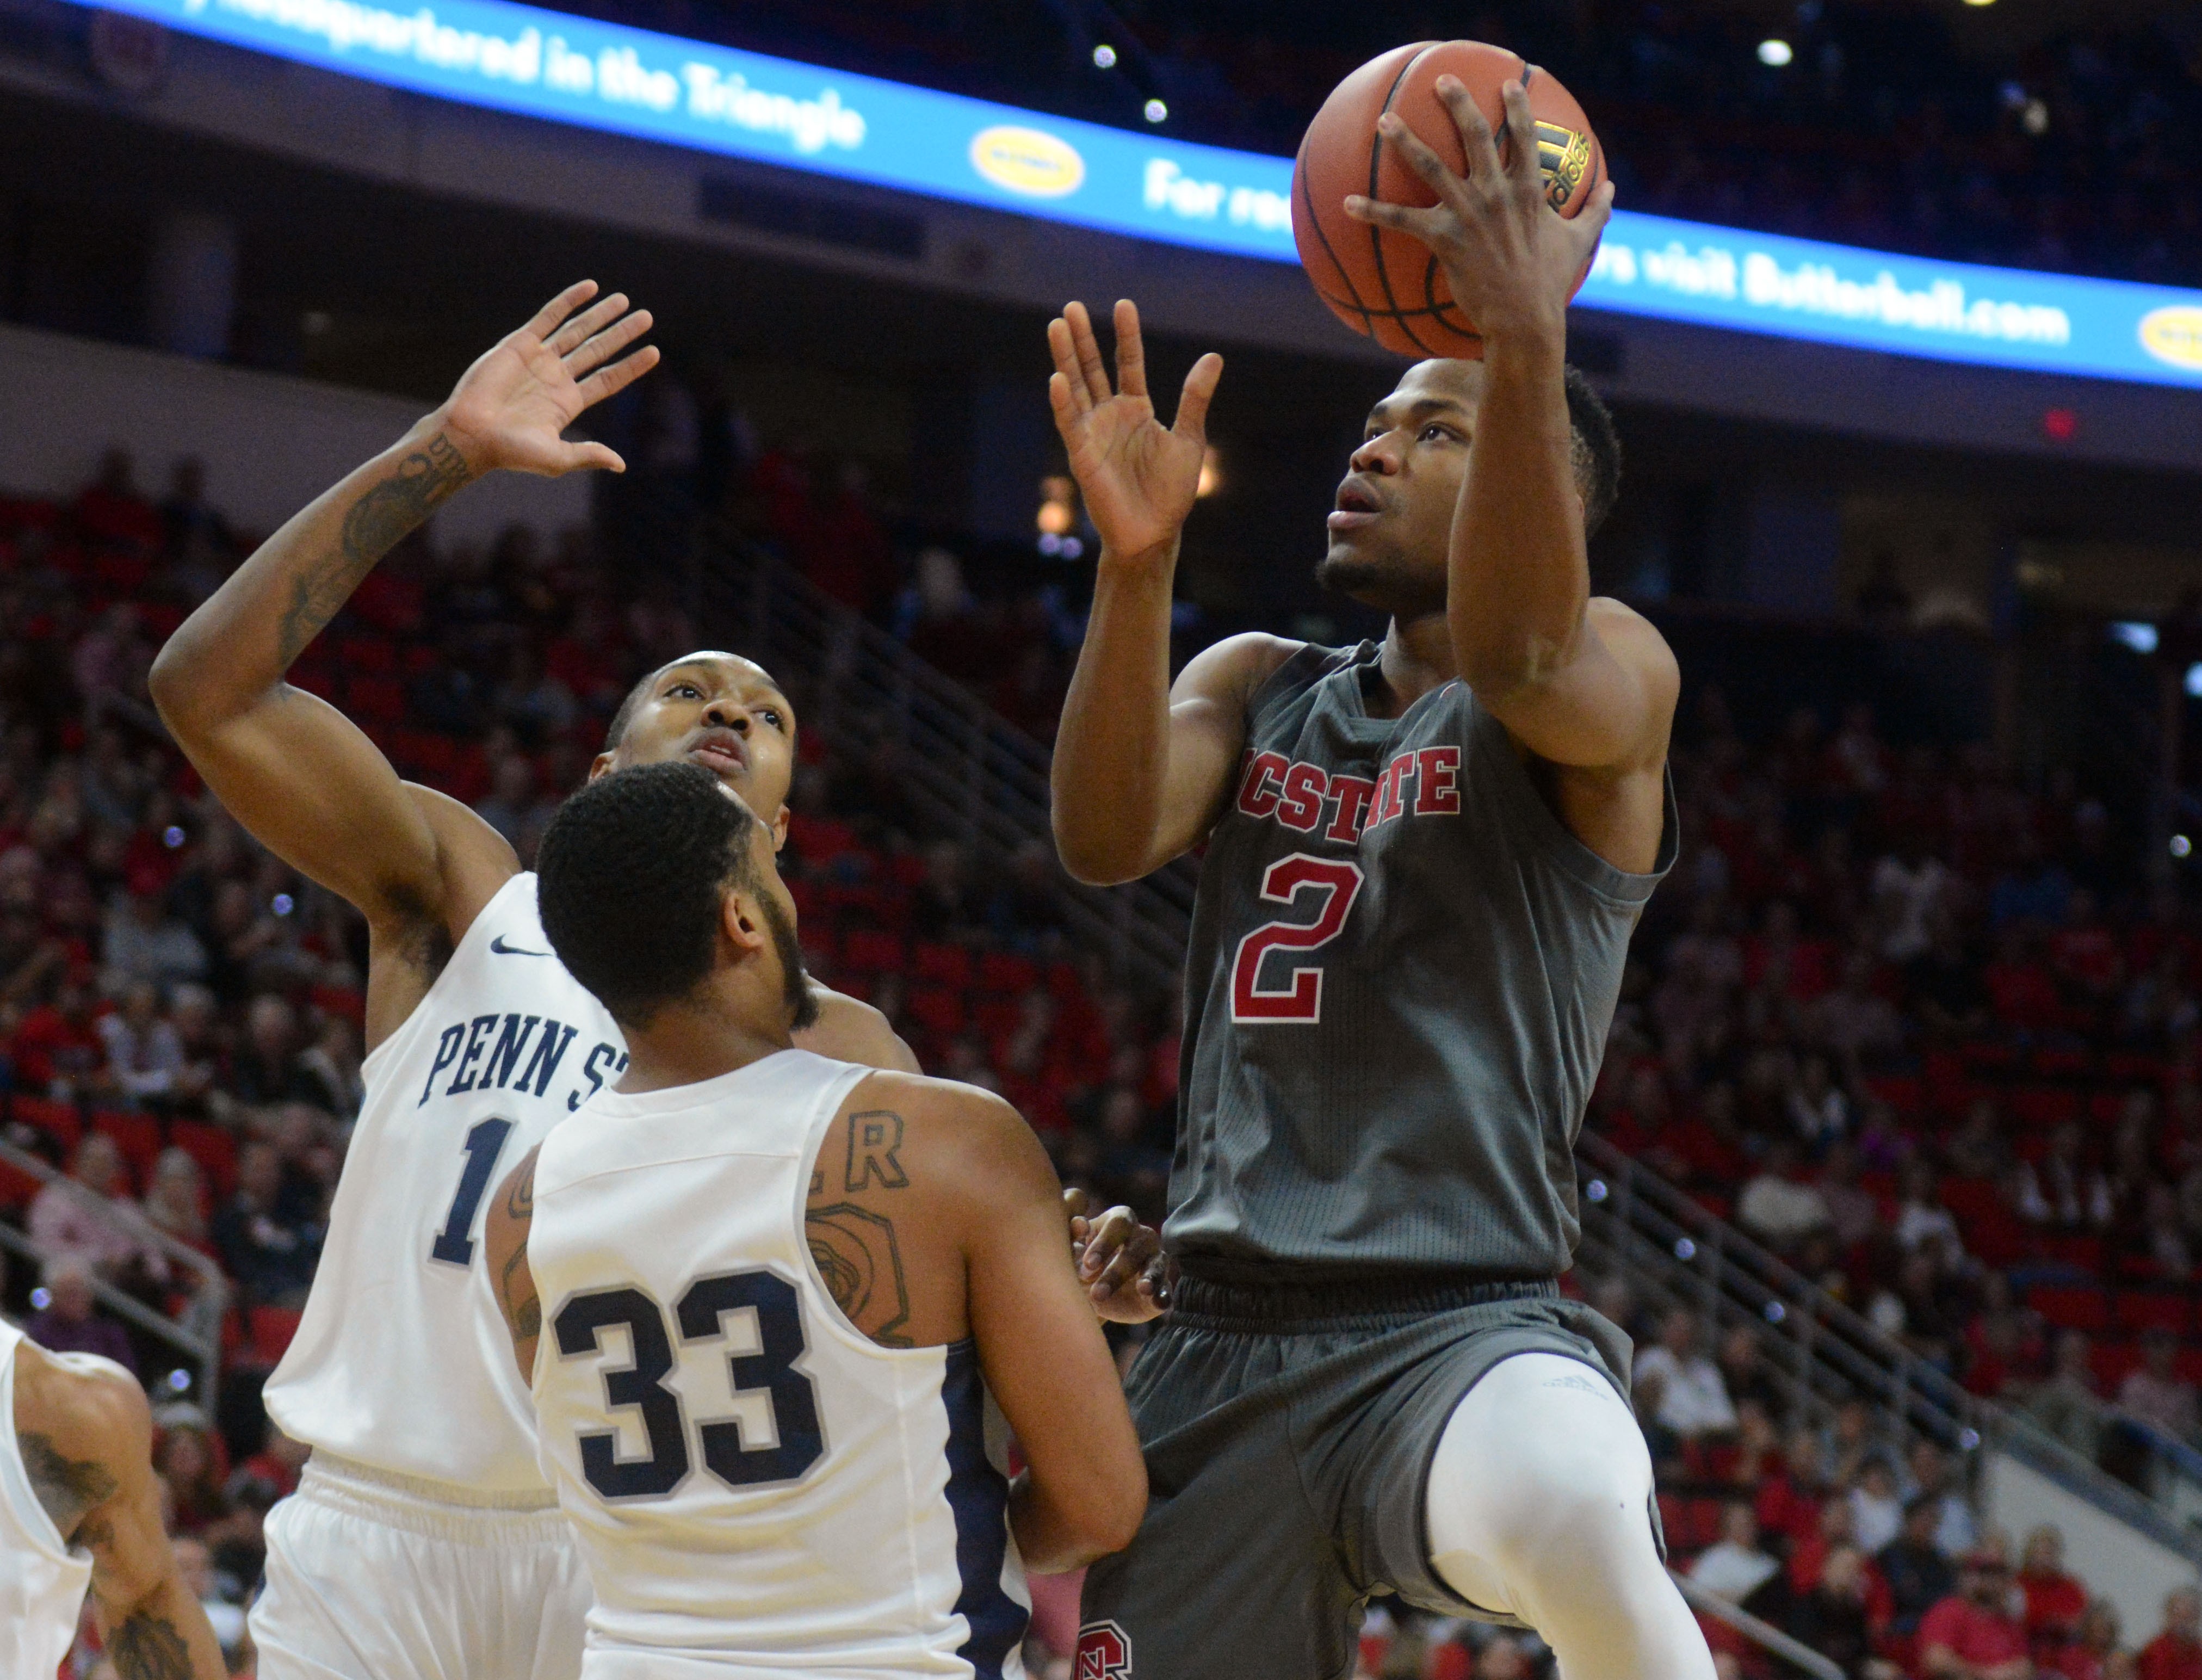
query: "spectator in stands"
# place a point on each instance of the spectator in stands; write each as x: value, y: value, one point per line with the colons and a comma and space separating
x: 1933, y: 1476
x: 1736, y: 1567
x: 71, y: 1322
x: 1853, y: 1214
x: 1971, y: 1635
x: 189, y: 1462
x: 144, y: 1056
x: 268, y: 1243
x: 514, y: 804
x: 144, y: 943
x: 1790, y: 1498
x: 2093, y: 1654
x: 2067, y: 1194
x: 175, y: 1201
x: 1921, y: 1219
x: 1693, y: 1401
x: 266, y: 1070
x: 88, y: 1216
x: 1776, y: 1206
x: 1746, y: 1375
x: 2067, y: 1405
x: 2055, y: 1600
x: 332, y: 1064
x: 1919, y: 1575
x: 1836, y: 1616
x: 1876, y: 1510
x: 2175, y: 1653
x: 2155, y: 1394
x: 57, y: 1049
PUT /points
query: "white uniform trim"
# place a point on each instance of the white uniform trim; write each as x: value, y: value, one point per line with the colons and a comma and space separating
x: 43, y: 1580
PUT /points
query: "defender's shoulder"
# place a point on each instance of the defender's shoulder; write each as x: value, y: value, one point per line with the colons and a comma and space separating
x: 82, y: 1407
x: 848, y: 1029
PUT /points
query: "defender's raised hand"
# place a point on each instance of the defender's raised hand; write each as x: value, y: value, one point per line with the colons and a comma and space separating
x: 509, y: 408
x: 1510, y: 259
x: 1138, y: 477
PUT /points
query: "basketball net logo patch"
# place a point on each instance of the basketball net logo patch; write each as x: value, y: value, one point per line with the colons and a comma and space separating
x: 1105, y: 1652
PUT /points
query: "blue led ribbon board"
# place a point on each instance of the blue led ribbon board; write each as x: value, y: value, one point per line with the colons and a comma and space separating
x: 688, y: 93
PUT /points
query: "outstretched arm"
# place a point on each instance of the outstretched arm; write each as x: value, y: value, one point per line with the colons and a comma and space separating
x: 1085, y: 1488
x: 1140, y: 767
x: 1585, y: 686
x: 293, y: 769
x: 86, y: 1436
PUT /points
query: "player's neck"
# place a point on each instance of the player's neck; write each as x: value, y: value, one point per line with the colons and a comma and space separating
x: 1418, y: 658
x: 715, y: 1033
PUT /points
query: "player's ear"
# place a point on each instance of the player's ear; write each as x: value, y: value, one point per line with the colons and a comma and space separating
x: 780, y: 827
x: 741, y: 922
x: 600, y: 765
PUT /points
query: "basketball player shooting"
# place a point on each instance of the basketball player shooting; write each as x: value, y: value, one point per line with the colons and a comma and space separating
x: 764, y: 1299
x: 1424, y: 863
x: 80, y: 1508
x: 424, y: 1539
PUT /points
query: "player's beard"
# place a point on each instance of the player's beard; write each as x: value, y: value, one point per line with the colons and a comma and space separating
x: 802, y: 1005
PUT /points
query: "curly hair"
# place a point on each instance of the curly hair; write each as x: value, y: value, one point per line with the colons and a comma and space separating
x: 1596, y: 450
x: 630, y: 877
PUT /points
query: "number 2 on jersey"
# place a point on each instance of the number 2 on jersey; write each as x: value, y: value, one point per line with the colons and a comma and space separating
x: 454, y: 1245
x: 1334, y: 885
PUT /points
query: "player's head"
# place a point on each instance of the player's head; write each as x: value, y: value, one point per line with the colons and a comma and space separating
x: 657, y: 881
x: 1393, y: 524
x: 717, y: 709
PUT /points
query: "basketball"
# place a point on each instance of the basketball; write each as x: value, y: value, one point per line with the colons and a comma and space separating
x: 1385, y: 283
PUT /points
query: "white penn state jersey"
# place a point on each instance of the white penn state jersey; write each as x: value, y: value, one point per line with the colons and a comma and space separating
x: 403, y: 1362
x: 42, y: 1578
x: 757, y: 1488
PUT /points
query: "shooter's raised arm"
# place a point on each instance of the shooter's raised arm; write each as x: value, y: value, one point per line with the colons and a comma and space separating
x: 1140, y: 764
x: 292, y: 768
x: 1582, y: 683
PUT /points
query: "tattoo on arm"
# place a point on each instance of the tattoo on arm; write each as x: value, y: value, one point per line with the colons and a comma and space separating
x: 874, y: 1136
x: 855, y: 1252
x: 66, y: 1487
x: 525, y: 1313
x: 376, y: 523
x: 146, y: 1647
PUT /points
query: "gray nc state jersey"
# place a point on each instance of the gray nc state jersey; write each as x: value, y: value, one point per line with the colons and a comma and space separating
x: 1401, y: 971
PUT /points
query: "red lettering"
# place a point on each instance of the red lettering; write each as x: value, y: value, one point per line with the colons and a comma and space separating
x: 1437, y: 789
x: 1302, y: 806
x: 1389, y: 802
x: 1353, y: 792
x: 1254, y: 798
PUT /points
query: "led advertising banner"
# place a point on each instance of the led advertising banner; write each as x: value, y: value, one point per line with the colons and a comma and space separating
x: 688, y: 93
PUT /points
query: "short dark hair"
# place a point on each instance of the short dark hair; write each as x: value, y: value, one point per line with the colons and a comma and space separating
x: 630, y: 876
x: 624, y: 715
x: 1596, y: 449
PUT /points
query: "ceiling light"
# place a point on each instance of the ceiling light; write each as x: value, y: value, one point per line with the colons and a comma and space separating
x: 1776, y: 53
x: 1104, y: 56
x: 1155, y: 111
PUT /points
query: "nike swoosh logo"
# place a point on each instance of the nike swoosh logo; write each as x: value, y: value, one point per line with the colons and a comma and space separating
x: 499, y: 945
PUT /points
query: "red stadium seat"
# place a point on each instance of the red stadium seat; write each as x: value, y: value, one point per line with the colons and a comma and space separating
x: 2084, y: 1253
x: 58, y: 1121
x: 938, y: 1010
x: 374, y: 700
x: 271, y: 1327
x: 2070, y: 1308
x: 370, y: 656
x: 17, y: 1187
x: 869, y: 951
x: 941, y: 965
x: 2112, y: 1360
x: 2142, y: 1310
x: 138, y: 1135
x: 2042, y: 1106
x: 997, y: 1017
x: 1000, y: 971
x: 213, y: 1148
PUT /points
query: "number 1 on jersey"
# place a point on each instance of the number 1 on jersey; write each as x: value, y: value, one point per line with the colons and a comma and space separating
x: 485, y: 1143
x: 1337, y: 883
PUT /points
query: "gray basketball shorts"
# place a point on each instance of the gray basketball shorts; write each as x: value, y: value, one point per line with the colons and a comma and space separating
x: 1288, y: 1432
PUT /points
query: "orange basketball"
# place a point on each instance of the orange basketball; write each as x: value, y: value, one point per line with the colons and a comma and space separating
x: 1387, y: 284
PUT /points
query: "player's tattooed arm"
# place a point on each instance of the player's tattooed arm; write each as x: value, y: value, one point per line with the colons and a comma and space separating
x: 86, y: 1435
x: 856, y: 1251
x: 389, y: 512
x: 67, y: 1488
x: 511, y: 1217
x: 853, y: 1244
